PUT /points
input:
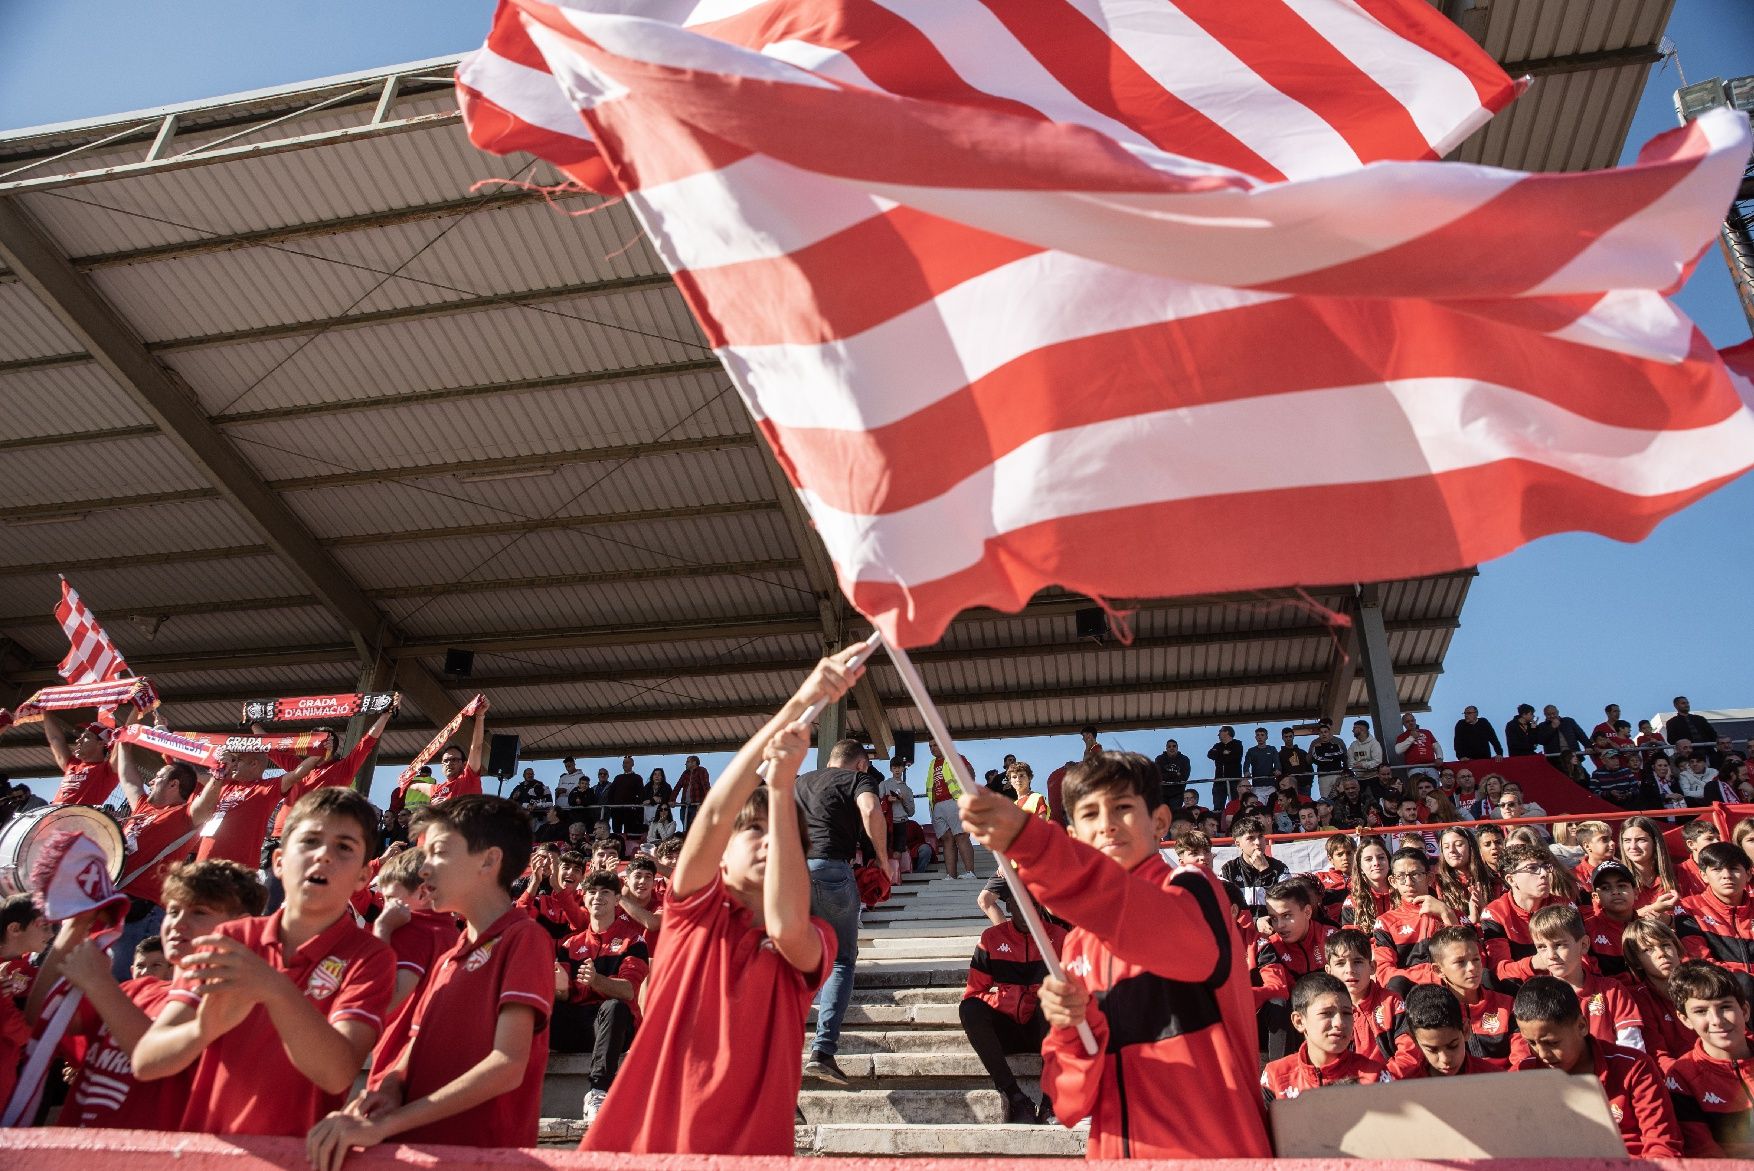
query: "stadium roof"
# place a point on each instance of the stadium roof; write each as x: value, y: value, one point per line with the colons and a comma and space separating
x: 296, y: 410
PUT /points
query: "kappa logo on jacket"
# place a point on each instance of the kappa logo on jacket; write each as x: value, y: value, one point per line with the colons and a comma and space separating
x: 1080, y: 967
x: 325, y: 981
x: 1003, y: 949
x: 1602, y: 939
x: 1710, y: 1098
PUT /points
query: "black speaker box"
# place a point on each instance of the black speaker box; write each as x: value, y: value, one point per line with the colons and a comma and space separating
x: 904, y: 748
x: 459, y: 663
x: 502, y: 756
x: 1092, y: 622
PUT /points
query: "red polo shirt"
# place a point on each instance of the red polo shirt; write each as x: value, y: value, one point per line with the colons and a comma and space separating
x: 244, y: 1082
x: 86, y: 783
x: 104, y: 1093
x: 717, y: 1066
x: 148, y: 832
x: 467, y: 784
x: 239, y: 824
x: 336, y: 772
x: 419, y: 944
x: 511, y: 963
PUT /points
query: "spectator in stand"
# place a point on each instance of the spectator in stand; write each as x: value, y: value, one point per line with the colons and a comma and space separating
x: 596, y: 987
x: 1260, y: 764
x: 1091, y: 746
x: 839, y: 803
x: 1329, y: 757
x: 1684, y: 725
x: 1322, y: 1012
x: 1561, y: 949
x: 158, y: 833
x: 1295, y: 946
x: 1416, y: 746
x: 1376, y: 1019
x: 1519, y: 733
x: 1615, y: 783
x: 1439, y: 1039
x: 1474, y: 738
x: 1057, y: 782
x: 1717, y: 924
x: 1174, y: 769
x: 691, y: 790
x: 238, y: 825
x: 462, y: 772
x: 88, y: 768
x: 1556, y: 734
x: 1349, y: 804
x: 1457, y: 964
x: 582, y: 806
x: 1463, y: 880
x: 1001, y: 1007
x: 1364, y: 754
x: 1653, y: 955
x: 943, y: 789
x: 1252, y: 871
x: 530, y: 792
x: 552, y: 827
x: 660, y: 796
x: 1710, y: 1083
x: 1504, y: 924
x: 552, y: 896
x: 896, y: 797
x: 1512, y: 806
x: 625, y: 799
x: 1700, y: 784
x: 420, y: 937
x: 1226, y: 758
x: 1553, y: 1026
x: 1610, y: 722
x: 571, y: 777
x: 1294, y: 761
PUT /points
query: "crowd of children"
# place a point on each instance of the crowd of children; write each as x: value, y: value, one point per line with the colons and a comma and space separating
x: 686, y: 974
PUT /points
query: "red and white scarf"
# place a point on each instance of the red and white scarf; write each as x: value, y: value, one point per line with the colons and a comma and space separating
x: 412, y: 772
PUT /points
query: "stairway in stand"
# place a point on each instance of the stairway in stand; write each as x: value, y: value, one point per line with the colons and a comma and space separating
x: 917, y: 1088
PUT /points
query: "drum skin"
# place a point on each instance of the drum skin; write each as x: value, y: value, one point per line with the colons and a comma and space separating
x: 23, y: 837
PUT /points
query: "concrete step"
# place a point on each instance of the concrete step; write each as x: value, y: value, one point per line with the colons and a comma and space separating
x: 1009, y: 1141
x: 965, y: 927
x: 925, y: 1067
x: 904, y: 973
x: 904, y: 1040
x: 893, y: 1015
x: 895, y: 996
x: 906, y: 1107
x: 950, y: 948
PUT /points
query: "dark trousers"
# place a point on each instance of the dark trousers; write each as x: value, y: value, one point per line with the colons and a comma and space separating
x: 628, y: 820
x: 1275, y: 1034
x: 993, y: 1035
x: 604, y: 1030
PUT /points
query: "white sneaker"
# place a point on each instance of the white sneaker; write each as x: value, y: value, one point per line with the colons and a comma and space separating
x: 593, y: 1103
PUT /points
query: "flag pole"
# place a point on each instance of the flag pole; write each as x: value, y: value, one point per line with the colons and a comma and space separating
x: 1020, y: 897
x: 866, y: 650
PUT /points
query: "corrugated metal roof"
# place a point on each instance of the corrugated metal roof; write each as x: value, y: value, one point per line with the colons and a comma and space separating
x: 348, y: 309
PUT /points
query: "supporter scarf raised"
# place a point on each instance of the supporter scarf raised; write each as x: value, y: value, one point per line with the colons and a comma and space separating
x: 409, y: 774
x: 207, y: 748
x: 319, y: 707
x: 105, y: 697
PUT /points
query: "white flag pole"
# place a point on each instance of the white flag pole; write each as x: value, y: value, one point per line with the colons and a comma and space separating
x: 867, y: 649
x: 1020, y: 897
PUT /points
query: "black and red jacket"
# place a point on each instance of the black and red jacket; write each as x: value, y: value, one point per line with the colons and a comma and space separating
x: 560, y: 911
x: 1637, y: 1099
x: 1007, y: 970
x: 1666, y: 1035
x: 1279, y: 962
x: 1605, y: 947
x: 1710, y: 930
x: 1352, y: 916
x: 1376, y: 1023
x: 1504, y: 934
x: 1171, y: 1010
x: 1714, y: 1102
x: 1294, y: 1074
x: 1409, y: 1064
x: 1399, y: 937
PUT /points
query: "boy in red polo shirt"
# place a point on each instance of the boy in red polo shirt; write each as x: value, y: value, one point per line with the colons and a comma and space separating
x: 1321, y: 1012
x: 198, y: 897
x: 1552, y: 1025
x: 604, y: 966
x: 276, y: 1015
x: 467, y: 1076
x: 1560, y: 947
x: 1712, y: 1085
x: 717, y: 1065
x: 417, y: 933
x: 1437, y: 1042
x: 1147, y: 940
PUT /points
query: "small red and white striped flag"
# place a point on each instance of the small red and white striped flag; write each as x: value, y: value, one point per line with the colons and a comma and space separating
x: 92, y: 657
x: 1121, y: 295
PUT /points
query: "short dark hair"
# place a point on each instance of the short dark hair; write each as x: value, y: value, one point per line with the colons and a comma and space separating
x: 404, y: 869
x: 1126, y: 772
x: 1313, y: 986
x: 845, y: 752
x: 1411, y: 854
x: 1192, y: 839
x: 19, y: 910
x: 608, y: 843
x: 187, y: 781
x: 1520, y: 854
x: 486, y: 822
x: 340, y: 801
x: 1347, y: 941
x: 1292, y: 890
x: 572, y: 858
x: 1087, y: 730
x: 603, y: 880
x: 1548, y: 999
x: 150, y: 943
x: 1247, y: 825
x: 1723, y: 856
x: 217, y: 883
x: 1459, y: 936
x: 1560, y: 919
x: 755, y: 809
x: 1433, y: 1006
x: 642, y: 862
x: 1698, y: 828
x: 1702, y: 980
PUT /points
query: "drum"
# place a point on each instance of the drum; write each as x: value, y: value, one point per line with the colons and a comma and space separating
x: 22, y: 840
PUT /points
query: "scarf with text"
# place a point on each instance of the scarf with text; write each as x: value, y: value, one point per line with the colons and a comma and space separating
x: 412, y: 772
x: 105, y: 697
x: 207, y: 749
x: 319, y: 707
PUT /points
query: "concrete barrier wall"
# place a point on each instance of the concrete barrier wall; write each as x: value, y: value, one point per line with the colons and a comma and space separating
x: 54, y: 1149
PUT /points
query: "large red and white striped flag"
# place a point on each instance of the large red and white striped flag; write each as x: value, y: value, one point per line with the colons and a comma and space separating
x: 1123, y: 296
x: 91, y: 656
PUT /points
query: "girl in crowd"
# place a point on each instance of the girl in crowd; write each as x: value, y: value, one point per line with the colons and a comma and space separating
x: 1642, y: 849
x: 1463, y: 881
x: 1743, y: 836
x: 1371, y: 893
x: 1653, y: 952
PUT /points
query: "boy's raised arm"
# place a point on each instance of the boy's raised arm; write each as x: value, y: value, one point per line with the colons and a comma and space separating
x: 785, y: 895
x: 711, y: 830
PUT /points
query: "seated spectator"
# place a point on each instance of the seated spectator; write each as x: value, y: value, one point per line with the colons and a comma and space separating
x: 1718, y: 923
x: 1194, y: 848
x: 1372, y: 893
x: 1439, y: 1036
x: 1653, y: 954
x: 1710, y: 1084
x: 1252, y: 870
x: 1504, y: 924
x: 1700, y: 784
x: 1489, y: 840
x: 1400, y: 933
x: 552, y: 827
x: 1457, y: 964
x: 1464, y: 794
x: 1376, y: 1018
x: 1462, y: 879
x: 1552, y: 1024
x: 150, y: 960
x: 1596, y: 840
x: 1247, y: 804
x: 597, y: 987
x: 1643, y: 852
x: 1696, y: 834
x: 1321, y: 1013
x: 1615, y: 895
x: 606, y: 856
x: 552, y: 897
x: 1000, y: 1009
x: 1561, y: 946
x: 1336, y: 880
x: 642, y: 899
x: 1349, y: 804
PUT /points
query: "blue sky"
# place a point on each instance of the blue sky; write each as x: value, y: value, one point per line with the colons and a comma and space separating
x: 1576, y: 620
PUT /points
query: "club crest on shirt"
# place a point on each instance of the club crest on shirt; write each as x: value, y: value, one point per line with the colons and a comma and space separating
x: 1616, y: 1111
x: 478, y: 957
x: 1597, y: 1005
x: 1489, y: 1022
x: 1382, y: 1015
x: 326, y: 979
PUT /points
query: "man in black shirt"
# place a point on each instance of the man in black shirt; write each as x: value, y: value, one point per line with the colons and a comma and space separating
x: 1226, y: 758
x: 1556, y: 733
x: 1294, y: 761
x: 1519, y: 733
x: 1260, y: 764
x: 1474, y: 738
x: 1684, y: 725
x: 1175, y: 769
x: 840, y: 813
x: 626, y: 798
x: 1328, y: 754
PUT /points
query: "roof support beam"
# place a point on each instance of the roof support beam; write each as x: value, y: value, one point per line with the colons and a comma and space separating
x: 29, y: 252
x: 1584, y: 62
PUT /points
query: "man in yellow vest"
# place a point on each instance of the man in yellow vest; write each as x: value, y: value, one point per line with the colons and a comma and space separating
x: 943, y: 788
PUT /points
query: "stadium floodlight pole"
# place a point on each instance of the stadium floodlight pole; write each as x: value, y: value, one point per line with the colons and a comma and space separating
x: 916, y: 687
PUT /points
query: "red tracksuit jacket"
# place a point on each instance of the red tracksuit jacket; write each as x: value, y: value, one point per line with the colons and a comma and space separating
x: 1504, y: 934
x: 1007, y: 970
x: 1280, y: 963
x: 1709, y: 930
x: 1714, y: 1101
x: 1293, y: 1074
x: 1637, y: 1100
x: 1171, y: 1009
x: 1398, y: 940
